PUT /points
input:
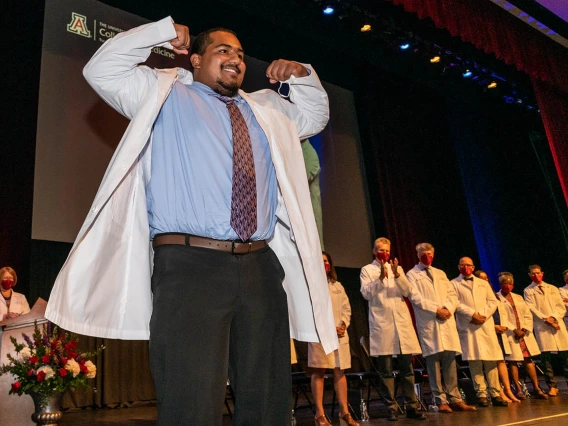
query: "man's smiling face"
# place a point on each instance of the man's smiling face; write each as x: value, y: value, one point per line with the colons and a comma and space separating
x: 221, y: 66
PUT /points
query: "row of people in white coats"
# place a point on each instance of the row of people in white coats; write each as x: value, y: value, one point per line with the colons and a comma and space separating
x: 456, y: 317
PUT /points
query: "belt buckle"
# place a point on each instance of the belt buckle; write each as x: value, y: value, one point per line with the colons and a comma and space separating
x: 233, y: 246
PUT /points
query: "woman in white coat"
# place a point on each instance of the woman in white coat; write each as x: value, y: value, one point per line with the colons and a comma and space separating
x: 517, y: 317
x: 500, y: 328
x: 12, y: 304
x: 338, y: 360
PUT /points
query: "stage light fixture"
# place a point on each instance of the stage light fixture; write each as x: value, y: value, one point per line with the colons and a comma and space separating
x: 328, y: 10
x: 435, y: 60
x: 365, y: 28
x: 467, y: 74
x: 492, y: 85
x: 404, y: 46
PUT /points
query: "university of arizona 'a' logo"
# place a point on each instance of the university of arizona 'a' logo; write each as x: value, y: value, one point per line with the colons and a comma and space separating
x: 78, y: 25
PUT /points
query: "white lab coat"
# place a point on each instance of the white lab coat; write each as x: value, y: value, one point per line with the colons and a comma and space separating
x: 564, y: 294
x: 103, y: 288
x: 341, y: 357
x: 546, y: 305
x: 478, y: 342
x: 18, y: 304
x: 390, y: 324
x: 427, y: 296
x: 526, y: 321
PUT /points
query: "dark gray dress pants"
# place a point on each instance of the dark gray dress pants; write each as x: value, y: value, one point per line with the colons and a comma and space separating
x: 219, y: 315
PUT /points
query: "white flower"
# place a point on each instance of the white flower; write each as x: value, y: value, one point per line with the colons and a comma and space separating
x: 92, y: 370
x: 73, y: 367
x: 25, y: 354
x: 49, y: 373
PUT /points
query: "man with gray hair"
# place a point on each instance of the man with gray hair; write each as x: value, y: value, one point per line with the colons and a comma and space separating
x: 435, y: 301
x: 391, y: 332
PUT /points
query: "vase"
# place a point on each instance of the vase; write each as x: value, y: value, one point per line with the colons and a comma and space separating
x: 47, y: 408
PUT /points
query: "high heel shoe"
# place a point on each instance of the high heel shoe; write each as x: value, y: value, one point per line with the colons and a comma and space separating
x: 347, y: 420
x: 321, y: 421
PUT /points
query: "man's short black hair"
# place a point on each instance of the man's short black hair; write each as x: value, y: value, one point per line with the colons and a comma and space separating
x: 203, y: 40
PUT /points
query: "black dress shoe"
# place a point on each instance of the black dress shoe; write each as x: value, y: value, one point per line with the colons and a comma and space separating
x: 413, y: 413
x: 483, y: 402
x: 392, y: 415
x: 497, y: 401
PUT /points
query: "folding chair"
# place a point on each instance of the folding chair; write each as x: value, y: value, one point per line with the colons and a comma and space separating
x: 373, y: 374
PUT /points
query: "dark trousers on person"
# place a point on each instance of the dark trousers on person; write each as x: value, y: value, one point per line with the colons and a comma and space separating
x: 546, y: 358
x: 406, y: 373
x: 218, y: 315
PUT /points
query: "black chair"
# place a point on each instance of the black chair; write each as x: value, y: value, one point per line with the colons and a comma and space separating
x: 229, y: 396
x: 420, y: 377
x: 301, y: 385
x: 373, y: 375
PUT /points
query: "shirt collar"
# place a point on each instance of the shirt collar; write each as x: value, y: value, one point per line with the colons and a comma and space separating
x: 206, y: 90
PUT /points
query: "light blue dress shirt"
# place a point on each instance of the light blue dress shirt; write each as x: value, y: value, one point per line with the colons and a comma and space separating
x: 192, y: 162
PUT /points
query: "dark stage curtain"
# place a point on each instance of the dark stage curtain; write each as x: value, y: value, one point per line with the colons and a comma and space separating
x: 511, y: 188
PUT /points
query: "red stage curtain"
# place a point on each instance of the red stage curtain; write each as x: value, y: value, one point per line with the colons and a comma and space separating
x: 496, y: 31
x: 554, y: 113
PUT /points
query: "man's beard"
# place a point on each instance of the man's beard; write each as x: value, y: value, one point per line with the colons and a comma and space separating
x: 226, y: 89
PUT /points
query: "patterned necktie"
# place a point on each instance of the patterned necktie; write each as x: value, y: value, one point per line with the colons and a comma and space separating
x: 429, y: 273
x: 243, y: 198
x: 541, y: 288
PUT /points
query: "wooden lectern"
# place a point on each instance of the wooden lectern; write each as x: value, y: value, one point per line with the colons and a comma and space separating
x: 17, y: 410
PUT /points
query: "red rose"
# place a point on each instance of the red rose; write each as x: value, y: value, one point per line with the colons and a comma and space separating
x: 16, y: 387
x: 62, y: 372
x: 82, y: 362
x: 41, y: 376
x: 70, y: 350
x: 31, y: 373
x: 45, y: 359
x: 84, y: 369
x: 63, y: 361
x: 54, y: 344
x: 33, y: 360
x: 71, y: 346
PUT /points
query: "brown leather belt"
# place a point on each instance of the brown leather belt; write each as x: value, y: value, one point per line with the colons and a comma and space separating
x: 233, y: 247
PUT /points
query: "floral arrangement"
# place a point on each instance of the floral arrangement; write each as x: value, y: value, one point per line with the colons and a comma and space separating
x: 49, y: 362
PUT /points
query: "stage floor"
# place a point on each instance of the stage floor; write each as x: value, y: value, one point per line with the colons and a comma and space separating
x: 552, y: 412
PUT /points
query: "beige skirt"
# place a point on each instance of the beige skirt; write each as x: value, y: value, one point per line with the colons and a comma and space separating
x: 340, y: 358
